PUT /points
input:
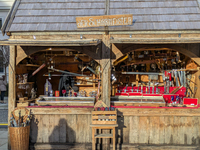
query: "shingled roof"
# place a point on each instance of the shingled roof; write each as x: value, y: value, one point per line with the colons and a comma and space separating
x: 59, y: 15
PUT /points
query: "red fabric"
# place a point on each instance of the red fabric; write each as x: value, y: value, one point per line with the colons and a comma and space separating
x: 60, y: 106
x: 156, y: 107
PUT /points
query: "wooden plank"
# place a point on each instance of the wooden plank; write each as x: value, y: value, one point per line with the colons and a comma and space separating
x: 104, y: 117
x: 120, y: 129
x: 82, y: 124
x: 103, y: 136
x: 126, y: 112
x: 104, y: 122
x: 143, y: 130
x: 51, y: 128
x: 158, y: 112
x: 154, y: 40
x: 189, y: 125
x: 195, y: 130
x: 134, y: 124
x: 40, y: 128
x: 89, y: 130
x: 44, y: 129
x: 182, y: 130
x: 56, y: 131
x: 106, y: 20
x: 43, y: 110
x: 71, y: 128
x: 198, y: 133
x: 176, y: 124
x: 88, y: 42
x: 86, y: 146
x: 104, y: 112
x: 162, y: 130
x: 168, y: 130
x: 34, y: 129
x: 62, y: 129
x: 59, y: 37
x: 125, y: 129
x: 154, y: 130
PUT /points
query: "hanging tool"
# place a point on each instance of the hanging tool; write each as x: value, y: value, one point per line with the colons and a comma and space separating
x: 132, y: 87
x: 87, y: 67
x: 176, y: 78
x: 149, y: 87
x: 156, y: 84
x: 141, y: 88
x: 172, y: 79
x: 38, y: 69
x: 70, y: 73
x: 120, y: 60
x: 126, y: 88
x: 138, y: 88
x: 153, y: 89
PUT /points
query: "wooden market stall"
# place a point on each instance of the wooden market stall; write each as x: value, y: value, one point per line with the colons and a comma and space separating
x: 128, y: 46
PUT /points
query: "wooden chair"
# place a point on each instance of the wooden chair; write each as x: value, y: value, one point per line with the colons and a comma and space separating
x: 103, y: 120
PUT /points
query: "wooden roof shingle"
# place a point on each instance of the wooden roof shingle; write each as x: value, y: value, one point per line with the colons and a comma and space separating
x: 59, y: 15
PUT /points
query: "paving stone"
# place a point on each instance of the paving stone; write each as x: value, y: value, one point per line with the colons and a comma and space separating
x: 4, y: 147
x: 2, y: 142
x: 4, y: 135
x: 3, y: 115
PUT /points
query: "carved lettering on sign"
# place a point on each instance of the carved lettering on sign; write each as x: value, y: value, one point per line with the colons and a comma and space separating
x: 108, y: 20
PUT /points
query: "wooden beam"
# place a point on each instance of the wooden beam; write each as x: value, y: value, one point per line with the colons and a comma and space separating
x: 106, y: 69
x: 76, y: 42
x: 184, y: 112
x: 154, y: 40
x: 156, y: 112
x: 58, y: 33
x: 156, y: 32
x: 12, y: 85
x: 60, y: 111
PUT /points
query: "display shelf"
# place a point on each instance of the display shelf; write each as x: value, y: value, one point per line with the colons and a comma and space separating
x: 28, y: 65
x: 86, y: 85
x: 25, y: 83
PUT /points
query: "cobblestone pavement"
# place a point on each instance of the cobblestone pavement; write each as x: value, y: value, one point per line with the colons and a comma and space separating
x: 3, y: 115
x: 3, y: 139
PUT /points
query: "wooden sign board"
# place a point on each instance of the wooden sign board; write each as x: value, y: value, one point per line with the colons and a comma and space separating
x: 107, y: 20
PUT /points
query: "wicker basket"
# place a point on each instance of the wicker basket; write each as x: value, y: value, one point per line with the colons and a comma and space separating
x: 19, y: 138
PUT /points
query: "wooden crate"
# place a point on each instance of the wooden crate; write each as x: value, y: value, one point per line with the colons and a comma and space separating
x: 104, y: 117
x: 24, y: 104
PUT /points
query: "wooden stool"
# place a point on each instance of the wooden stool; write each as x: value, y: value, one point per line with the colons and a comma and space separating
x: 103, y: 126
x: 103, y: 120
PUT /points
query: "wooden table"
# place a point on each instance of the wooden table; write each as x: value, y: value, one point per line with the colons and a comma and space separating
x: 103, y: 126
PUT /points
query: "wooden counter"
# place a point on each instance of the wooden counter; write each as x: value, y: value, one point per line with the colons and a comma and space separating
x: 136, y: 125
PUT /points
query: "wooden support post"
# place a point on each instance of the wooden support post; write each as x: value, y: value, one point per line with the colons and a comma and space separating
x: 106, y: 84
x: 12, y: 86
x: 106, y: 70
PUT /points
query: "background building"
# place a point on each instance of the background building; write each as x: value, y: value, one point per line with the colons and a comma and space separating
x: 5, y: 6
